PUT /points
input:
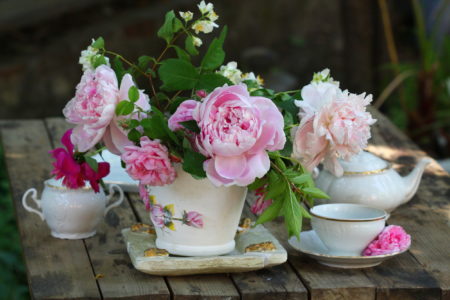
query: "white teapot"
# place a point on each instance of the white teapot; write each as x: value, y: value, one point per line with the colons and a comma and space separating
x: 71, y: 213
x: 371, y: 181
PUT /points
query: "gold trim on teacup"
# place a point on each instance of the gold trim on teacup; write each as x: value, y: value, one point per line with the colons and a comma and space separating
x: 347, y: 220
x: 362, y: 173
x: 63, y: 188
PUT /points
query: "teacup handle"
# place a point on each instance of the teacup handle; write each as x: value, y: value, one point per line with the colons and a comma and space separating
x: 111, y: 194
x: 35, y: 199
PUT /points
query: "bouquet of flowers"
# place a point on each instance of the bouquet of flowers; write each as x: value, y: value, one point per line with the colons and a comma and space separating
x: 216, y: 121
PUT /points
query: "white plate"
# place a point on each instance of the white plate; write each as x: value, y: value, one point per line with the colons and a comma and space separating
x: 117, y: 174
x: 311, y: 245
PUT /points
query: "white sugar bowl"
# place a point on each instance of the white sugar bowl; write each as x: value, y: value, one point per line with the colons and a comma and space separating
x: 72, y: 213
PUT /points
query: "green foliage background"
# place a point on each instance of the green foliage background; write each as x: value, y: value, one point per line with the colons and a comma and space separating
x: 13, y: 283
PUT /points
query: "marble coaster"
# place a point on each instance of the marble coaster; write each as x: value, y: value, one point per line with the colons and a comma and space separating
x: 248, y: 255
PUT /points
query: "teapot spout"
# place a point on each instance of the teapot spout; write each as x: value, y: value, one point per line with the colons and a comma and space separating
x: 412, y: 181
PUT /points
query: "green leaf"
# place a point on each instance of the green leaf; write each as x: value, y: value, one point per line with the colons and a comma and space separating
x: 181, y: 53
x: 98, y: 60
x: 193, y: 163
x: 191, y: 125
x: 144, y: 64
x: 118, y: 68
x: 134, y: 135
x: 171, y: 25
x: 315, y: 192
x: 178, y: 74
x: 91, y: 162
x: 155, y: 127
x: 133, y: 123
x: 276, y: 186
x: 99, y: 43
x: 270, y: 213
x: 259, y: 182
x: 305, y: 213
x: 215, y: 55
x: 133, y: 94
x: 304, y: 178
x: 209, y: 82
x: 292, y: 214
x: 124, y: 108
x: 287, y: 150
x: 189, y: 45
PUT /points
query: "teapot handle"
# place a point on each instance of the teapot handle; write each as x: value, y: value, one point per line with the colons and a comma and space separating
x: 111, y: 194
x: 315, y: 173
x: 35, y: 199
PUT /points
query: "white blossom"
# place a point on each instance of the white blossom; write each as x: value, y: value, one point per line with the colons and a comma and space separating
x: 196, y: 41
x: 205, y: 8
x: 204, y: 26
x: 324, y: 76
x: 212, y: 16
x: 231, y: 72
x: 87, y: 58
x: 186, y: 15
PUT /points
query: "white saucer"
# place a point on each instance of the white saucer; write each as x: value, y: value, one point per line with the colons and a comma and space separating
x: 117, y: 174
x: 311, y: 245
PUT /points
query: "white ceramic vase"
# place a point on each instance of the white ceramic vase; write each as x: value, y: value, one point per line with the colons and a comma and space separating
x: 71, y: 213
x: 218, y: 209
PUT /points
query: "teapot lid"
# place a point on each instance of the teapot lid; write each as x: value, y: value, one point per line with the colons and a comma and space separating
x: 364, y: 162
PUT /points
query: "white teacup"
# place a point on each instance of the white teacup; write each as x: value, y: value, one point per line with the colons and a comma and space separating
x: 71, y: 213
x: 346, y: 229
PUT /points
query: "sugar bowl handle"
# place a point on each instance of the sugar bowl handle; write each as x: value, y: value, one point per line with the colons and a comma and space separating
x: 111, y: 194
x: 33, y: 193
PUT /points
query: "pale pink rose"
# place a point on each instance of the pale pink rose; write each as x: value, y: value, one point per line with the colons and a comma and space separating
x: 334, y: 124
x: 149, y: 163
x: 182, y: 114
x: 144, y: 196
x: 260, y: 205
x: 193, y: 218
x: 157, y: 215
x: 236, y: 131
x: 116, y: 137
x: 93, y: 106
x: 392, y: 239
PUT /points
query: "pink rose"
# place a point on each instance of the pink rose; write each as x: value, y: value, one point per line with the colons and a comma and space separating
x: 260, y: 205
x: 236, y: 131
x: 157, y: 215
x: 182, y: 114
x: 193, y: 219
x: 93, y: 106
x: 392, y: 239
x: 116, y: 137
x: 149, y: 163
x: 334, y: 124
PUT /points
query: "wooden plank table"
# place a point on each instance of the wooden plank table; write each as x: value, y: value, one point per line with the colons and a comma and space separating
x: 99, y: 267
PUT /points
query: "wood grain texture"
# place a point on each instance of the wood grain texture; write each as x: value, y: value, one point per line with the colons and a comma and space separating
x: 56, y: 269
x: 218, y: 286
x: 427, y: 216
x: 107, y: 250
x: 279, y: 282
x: 323, y: 282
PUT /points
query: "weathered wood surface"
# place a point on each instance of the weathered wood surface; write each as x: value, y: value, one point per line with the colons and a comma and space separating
x: 59, y: 269
x: 107, y: 251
